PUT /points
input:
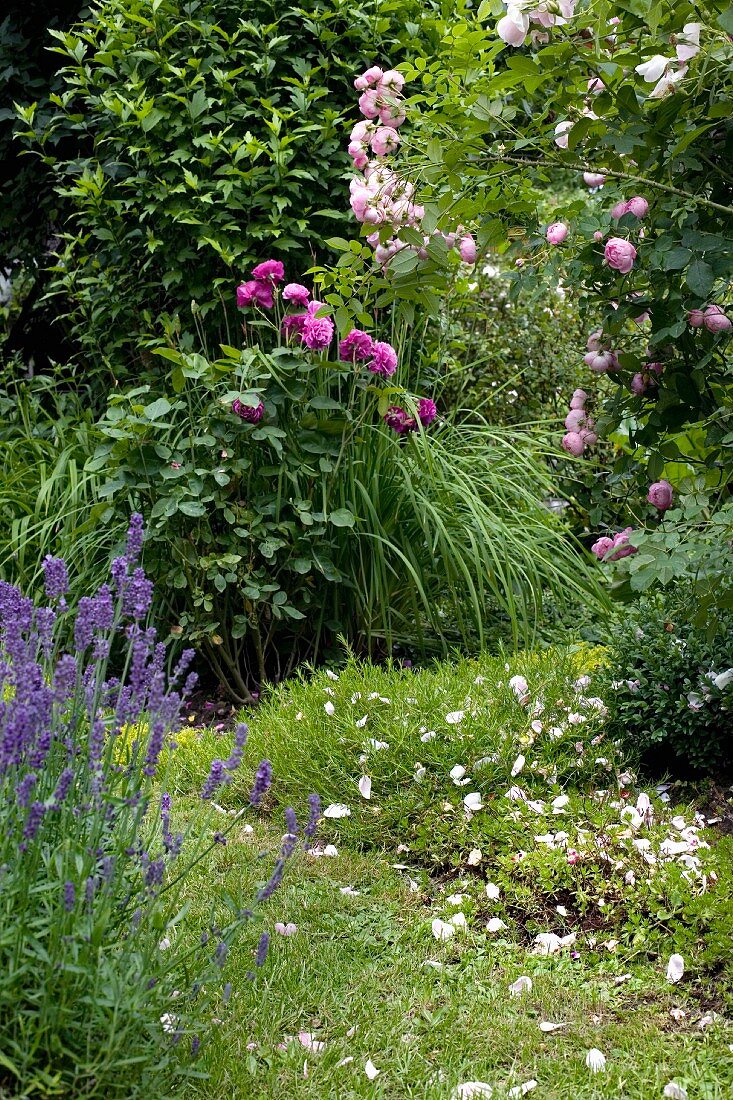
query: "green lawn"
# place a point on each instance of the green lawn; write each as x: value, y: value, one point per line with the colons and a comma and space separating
x: 365, y: 976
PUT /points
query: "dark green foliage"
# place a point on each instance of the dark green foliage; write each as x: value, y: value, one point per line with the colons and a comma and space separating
x: 660, y: 688
x: 210, y: 134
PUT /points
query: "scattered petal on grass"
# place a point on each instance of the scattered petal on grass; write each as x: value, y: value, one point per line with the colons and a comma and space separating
x: 495, y: 924
x: 595, y: 1060
x: 377, y: 745
x: 337, y: 809
x: 361, y: 722
x: 288, y: 929
x: 371, y: 1070
x: 345, y: 1061
x: 169, y: 1022
x: 518, y: 765
x: 522, y: 1090
x: 677, y: 1014
x: 559, y: 803
x: 442, y: 930
x: 470, y: 1089
x: 349, y: 891
x: 473, y: 802
x: 454, y: 717
x: 458, y: 920
x: 474, y: 857
x: 457, y: 772
x: 329, y: 708
x: 621, y: 978
x: 522, y: 985
x: 433, y: 964
x: 365, y: 786
x: 306, y: 1039
x: 675, y: 968
x: 548, y: 1026
x: 429, y: 736
x: 492, y: 891
x: 673, y: 1091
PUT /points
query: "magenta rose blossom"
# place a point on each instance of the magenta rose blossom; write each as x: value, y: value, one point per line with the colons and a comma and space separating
x: 660, y: 495
x: 573, y: 444
x: 296, y: 294
x: 317, y: 332
x: 270, y: 271
x: 357, y: 346
x: 467, y: 249
x: 397, y: 419
x: 252, y: 414
x: 384, y: 359
x: 638, y: 206
x: 715, y: 320
x: 255, y: 293
x: 594, y: 179
x: 601, y: 547
x: 556, y: 233
x: 696, y: 318
x: 623, y: 547
x: 427, y: 411
x: 294, y: 322
x: 619, y: 210
x: 620, y: 254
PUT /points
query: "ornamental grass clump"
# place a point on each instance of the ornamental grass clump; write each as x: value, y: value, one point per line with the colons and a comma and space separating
x: 105, y: 988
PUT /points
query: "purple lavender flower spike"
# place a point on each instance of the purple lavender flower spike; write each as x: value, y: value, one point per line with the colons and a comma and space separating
x: 56, y: 578
x: 262, y: 949
x: 311, y: 825
x: 263, y: 779
x: 215, y: 779
x: 240, y: 740
x: 69, y: 896
x: 134, y: 545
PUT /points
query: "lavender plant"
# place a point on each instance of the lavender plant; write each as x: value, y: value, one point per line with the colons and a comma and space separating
x: 95, y: 996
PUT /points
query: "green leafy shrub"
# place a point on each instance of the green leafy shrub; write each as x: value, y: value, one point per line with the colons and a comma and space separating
x: 272, y: 535
x: 669, y: 686
x: 106, y: 986
x: 202, y: 134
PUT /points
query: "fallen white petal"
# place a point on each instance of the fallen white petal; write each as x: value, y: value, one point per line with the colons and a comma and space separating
x: 473, y: 802
x: 455, y: 717
x: 522, y: 985
x: 492, y: 891
x: 306, y: 1039
x: 547, y: 1026
x: 337, y: 809
x: 365, y: 786
x: 470, y: 1089
x: 522, y: 1090
x: 673, y: 1091
x: 371, y: 1070
x: 442, y: 930
x: 428, y: 736
x: 345, y: 1061
x: 458, y: 920
x: 495, y: 924
x: 518, y: 765
x: 457, y: 772
x: 675, y: 968
x: 329, y: 708
x: 349, y: 891
x: 474, y: 857
x: 361, y: 722
x: 595, y: 1060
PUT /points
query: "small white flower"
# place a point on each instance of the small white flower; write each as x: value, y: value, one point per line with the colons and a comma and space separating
x: 164, y: 944
x: 675, y: 968
x: 518, y: 684
x: 522, y: 985
x: 331, y: 674
x: 365, y: 786
x: 495, y: 925
x: 595, y: 1060
x: 673, y: 1091
x: 473, y: 802
x: 337, y: 809
x: 492, y: 891
x: 442, y: 930
x: 169, y: 1022
x: 428, y: 736
x: 722, y: 680
x: 329, y: 708
x: 454, y: 717
x: 474, y: 857
x: 371, y: 1070
x: 518, y: 765
x: 420, y: 773
x: 652, y: 69
x: 668, y: 83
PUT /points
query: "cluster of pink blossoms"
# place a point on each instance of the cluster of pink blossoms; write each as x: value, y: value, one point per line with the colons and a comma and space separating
x: 619, y: 543
x: 401, y: 421
x: 260, y: 289
x: 646, y: 383
x: 599, y: 357
x: 379, y: 197
x: 579, y: 425
x: 711, y: 317
x: 514, y: 27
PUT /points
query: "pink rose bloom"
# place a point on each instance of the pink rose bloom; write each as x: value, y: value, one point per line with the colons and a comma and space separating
x: 513, y: 27
x: 594, y: 179
x: 660, y: 495
x: 252, y: 414
x: 715, y: 320
x: 595, y: 85
x: 696, y: 318
x: 589, y: 437
x: 356, y: 346
x: 255, y: 293
x: 297, y: 294
x: 368, y: 103
x: 385, y: 141
x: 368, y: 78
x: 601, y: 361
x: 427, y: 411
x: 597, y: 236
x: 294, y: 322
x: 619, y: 210
x: 638, y: 385
x: 397, y: 419
x: 593, y: 343
x: 361, y: 131
x: 357, y: 152
x: 573, y: 444
x: 392, y: 81
x: 467, y: 250
x: 384, y: 359
x: 621, y: 542
x: 392, y: 115
x: 575, y: 420
x: 620, y: 255
x: 638, y: 206
x: 561, y: 133
x: 271, y: 271
x: 317, y: 332
x: 556, y: 233
x: 601, y: 547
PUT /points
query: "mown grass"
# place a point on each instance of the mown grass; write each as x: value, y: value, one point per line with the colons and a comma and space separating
x: 364, y: 974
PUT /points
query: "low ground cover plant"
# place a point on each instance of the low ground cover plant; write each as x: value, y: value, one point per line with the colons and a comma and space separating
x: 106, y: 988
